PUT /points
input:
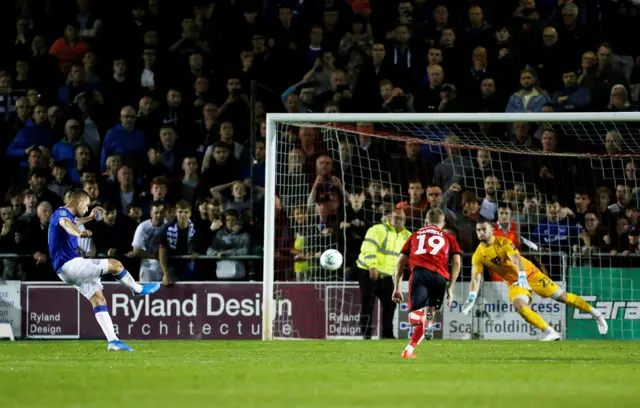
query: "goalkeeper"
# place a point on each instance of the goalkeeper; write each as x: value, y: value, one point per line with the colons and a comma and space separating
x: 501, y: 256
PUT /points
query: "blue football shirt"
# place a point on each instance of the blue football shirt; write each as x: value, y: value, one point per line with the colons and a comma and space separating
x: 62, y: 245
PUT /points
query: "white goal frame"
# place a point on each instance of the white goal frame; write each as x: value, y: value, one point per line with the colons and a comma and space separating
x: 351, y: 118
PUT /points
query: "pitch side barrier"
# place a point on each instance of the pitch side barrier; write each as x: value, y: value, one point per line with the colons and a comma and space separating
x: 234, y: 310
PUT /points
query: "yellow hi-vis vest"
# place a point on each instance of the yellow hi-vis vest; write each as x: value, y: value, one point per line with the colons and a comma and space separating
x: 300, y: 266
x: 381, y: 248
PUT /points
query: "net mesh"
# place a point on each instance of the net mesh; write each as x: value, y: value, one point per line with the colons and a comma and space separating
x: 563, y: 192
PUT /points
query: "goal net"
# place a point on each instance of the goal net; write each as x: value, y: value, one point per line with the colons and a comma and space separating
x: 561, y: 186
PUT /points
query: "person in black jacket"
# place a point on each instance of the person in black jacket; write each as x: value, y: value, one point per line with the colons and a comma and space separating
x: 39, y: 267
x: 113, y: 234
x: 602, y: 78
x: 9, y: 240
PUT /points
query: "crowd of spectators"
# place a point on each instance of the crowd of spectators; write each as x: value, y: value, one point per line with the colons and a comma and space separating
x: 147, y: 106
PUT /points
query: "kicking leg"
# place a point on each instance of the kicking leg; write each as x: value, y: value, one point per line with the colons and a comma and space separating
x: 579, y: 303
x: 101, y: 311
x: 521, y: 304
x: 125, y: 278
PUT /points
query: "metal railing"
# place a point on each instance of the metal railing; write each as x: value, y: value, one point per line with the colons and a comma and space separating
x: 251, y: 260
x: 605, y: 259
x: 558, y: 269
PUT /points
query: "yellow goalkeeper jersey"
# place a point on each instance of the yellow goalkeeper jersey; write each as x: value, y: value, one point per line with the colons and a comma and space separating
x: 496, y: 258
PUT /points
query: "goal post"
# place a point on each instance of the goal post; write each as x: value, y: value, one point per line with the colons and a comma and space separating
x: 298, y: 297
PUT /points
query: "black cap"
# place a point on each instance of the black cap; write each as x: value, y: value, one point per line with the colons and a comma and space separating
x: 38, y: 172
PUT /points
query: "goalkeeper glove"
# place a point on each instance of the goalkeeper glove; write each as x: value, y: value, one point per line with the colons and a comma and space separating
x: 468, y: 304
x: 522, y: 281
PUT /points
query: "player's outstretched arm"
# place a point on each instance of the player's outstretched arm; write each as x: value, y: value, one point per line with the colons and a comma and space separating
x: 73, y: 229
x: 402, y: 262
x: 516, y: 258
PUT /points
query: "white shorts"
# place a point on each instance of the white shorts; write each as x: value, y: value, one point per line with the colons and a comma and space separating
x: 84, y: 274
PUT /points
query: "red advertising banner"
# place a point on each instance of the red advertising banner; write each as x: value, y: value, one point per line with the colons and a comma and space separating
x: 196, y: 311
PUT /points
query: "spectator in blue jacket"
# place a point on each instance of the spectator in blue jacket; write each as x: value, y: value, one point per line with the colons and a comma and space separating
x: 36, y: 133
x: 557, y: 232
x: 573, y: 97
x: 76, y: 84
x: 64, y: 151
x: 530, y: 98
x: 124, y: 138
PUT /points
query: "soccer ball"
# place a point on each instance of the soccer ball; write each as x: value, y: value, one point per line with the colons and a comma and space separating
x: 331, y: 259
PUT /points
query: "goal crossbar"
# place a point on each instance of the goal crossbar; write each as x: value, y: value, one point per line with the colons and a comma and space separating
x: 489, y: 117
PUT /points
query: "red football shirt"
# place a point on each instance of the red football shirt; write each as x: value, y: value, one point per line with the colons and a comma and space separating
x: 430, y: 248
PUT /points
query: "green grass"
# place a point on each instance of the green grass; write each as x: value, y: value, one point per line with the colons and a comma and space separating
x: 327, y: 374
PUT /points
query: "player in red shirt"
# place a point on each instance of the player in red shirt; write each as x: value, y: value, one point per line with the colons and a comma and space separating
x: 427, y: 251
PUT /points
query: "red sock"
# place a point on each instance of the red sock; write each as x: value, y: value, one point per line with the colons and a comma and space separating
x: 416, y: 337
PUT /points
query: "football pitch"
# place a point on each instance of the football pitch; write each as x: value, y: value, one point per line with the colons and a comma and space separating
x: 320, y: 374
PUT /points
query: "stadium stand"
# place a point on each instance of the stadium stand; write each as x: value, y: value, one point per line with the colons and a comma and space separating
x: 140, y: 102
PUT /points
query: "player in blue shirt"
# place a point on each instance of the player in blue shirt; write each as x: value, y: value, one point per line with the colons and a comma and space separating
x: 84, y: 274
